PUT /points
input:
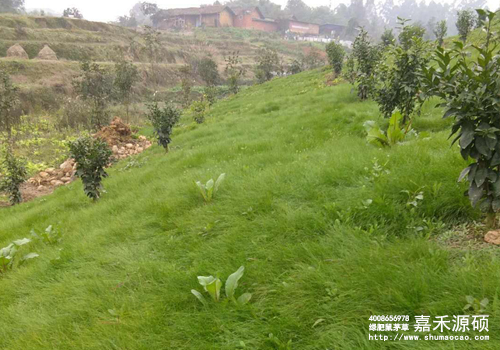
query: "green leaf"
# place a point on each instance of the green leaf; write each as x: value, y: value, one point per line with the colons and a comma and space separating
x: 202, y: 190
x: 22, y: 242
x: 219, y: 181
x: 464, y: 173
x: 205, y: 280
x: 199, y: 296
x: 214, y: 289
x: 244, y: 299
x: 480, y: 176
x: 467, y: 136
x: 210, y: 189
x: 232, y: 282
x: 475, y: 193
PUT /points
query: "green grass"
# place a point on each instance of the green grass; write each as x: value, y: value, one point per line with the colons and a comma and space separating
x: 291, y: 211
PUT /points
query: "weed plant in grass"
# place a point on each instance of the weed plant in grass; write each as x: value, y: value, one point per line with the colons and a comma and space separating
x: 319, y: 218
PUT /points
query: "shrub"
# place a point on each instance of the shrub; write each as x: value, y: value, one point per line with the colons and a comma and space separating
x: 91, y: 156
x: 96, y: 86
x: 387, y: 37
x: 367, y: 57
x: 163, y: 121
x: 186, y: 84
x: 395, y: 133
x: 440, y: 31
x: 466, y: 21
x: 399, y: 77
x: 469, y: 90
x: 295, y: 67
x: 199, y: 108
x: 234, y: 71
x: 267, y: 64
x: 8, y: 101
x: 336, y: 55
x: 409, y: 33
x: 208, y: 71
x: 14, y: 176
x: 127, y: 75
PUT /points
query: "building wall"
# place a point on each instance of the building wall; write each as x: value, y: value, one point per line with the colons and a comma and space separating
x: 303, y: 28
x: 226, y: 18
x: 245, y: 19
x: 265, y: 26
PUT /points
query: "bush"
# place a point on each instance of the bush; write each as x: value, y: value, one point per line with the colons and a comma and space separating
x: 268, y: 64
x: 8, y: 102
x: 91, y: 156
x: 163, y: 121
x: 336, y: 55
x: 469, y: 89
x: 95, y: 86
x: 466, y: 21
x: 367, y: 57
x: 208, y: 71
x: 399, y: 76
x: 199, y: 108
x: 211, y: 94
x: 14, y: 176
x: 234, y: 72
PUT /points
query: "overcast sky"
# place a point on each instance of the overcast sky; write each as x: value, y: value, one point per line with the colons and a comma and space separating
x: 109, y: 10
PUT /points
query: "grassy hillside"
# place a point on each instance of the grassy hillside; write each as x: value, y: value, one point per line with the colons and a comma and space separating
x: 295, y: 210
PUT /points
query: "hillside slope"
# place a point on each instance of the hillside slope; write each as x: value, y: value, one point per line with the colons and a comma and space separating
x: 75, y: 40
x: 320, y: 257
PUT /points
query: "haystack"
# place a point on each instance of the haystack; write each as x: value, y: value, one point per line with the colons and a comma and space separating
x: 17, y: 51
x: 47, y: 54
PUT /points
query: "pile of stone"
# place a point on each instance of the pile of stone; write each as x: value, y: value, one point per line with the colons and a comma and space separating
x: 118, y: 136
x: 52, y: 177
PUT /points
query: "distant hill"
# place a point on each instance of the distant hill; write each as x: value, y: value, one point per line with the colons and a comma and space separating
x: 75, y: 40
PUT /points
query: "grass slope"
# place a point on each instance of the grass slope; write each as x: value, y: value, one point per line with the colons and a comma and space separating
x: 291, y: 211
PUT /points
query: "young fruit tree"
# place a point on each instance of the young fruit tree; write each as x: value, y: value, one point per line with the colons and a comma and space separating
x: 95, y: 86
x: 336, y: 55
x: 209, y: 71
x: 468, y: 86
x: 92, y: 156
x: 267, y: 64
x: 440, y: 31
x: 366, y: 56
x: 163, y: 121
x: 8, y: 101
x: 398, y: 75
x: 234, y: 71
x: 14, y: 175
x: 466, y: 22
x: 126, y: 75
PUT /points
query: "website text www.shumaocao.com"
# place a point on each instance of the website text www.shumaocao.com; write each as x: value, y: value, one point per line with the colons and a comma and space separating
x: 457, y: 327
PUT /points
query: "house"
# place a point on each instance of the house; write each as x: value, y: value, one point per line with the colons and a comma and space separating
x: 331, y: 30
x: 253, y: 18
x: 205, y: 16
x: 295, y: 26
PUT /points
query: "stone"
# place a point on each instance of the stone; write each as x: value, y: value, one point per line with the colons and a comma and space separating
x: 43, y: 174
x: 493, y: 237
x: 41, y: 188
x: 50, y: 171
x: 66, y: 179
x: 115, y: 149
x: 140, y: 150
x: 57, y: 183
x: 129, y: 145
x: 142, y: 138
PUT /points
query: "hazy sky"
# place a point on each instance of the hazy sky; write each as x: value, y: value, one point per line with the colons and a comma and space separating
x: 109, y: 10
